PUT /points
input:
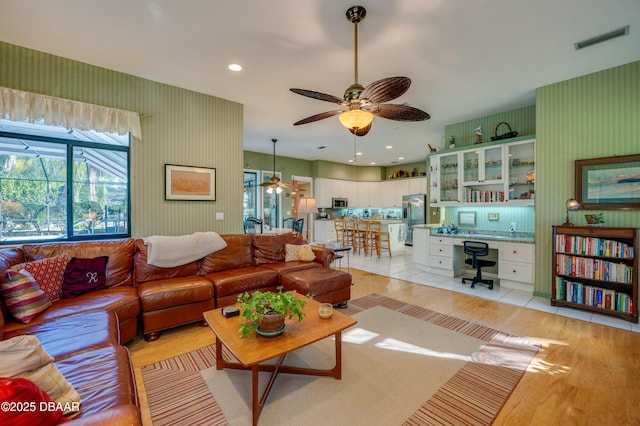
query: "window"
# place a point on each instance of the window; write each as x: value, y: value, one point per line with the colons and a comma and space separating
x: 62, y: 184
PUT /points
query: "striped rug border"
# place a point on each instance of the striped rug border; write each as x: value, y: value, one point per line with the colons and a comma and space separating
x: 472, y: 396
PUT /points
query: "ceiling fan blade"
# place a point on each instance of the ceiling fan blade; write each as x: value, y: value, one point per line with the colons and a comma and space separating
x: 386, y: 89
x: 361, y: 132
x: 318, y: 117
x: 400, y: 113
x: 286, y: 186
x: 320, y: 96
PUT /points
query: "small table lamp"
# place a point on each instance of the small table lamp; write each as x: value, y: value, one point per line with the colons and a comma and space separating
x: 572, y: 205
x: 307, y: 206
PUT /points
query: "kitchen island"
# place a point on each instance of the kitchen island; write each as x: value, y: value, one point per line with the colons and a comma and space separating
x: 397, y: 234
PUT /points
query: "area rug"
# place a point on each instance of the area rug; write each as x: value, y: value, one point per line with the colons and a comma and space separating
x: 402, y: 364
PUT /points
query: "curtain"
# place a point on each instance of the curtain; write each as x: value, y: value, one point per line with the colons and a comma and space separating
x: 18, y: 105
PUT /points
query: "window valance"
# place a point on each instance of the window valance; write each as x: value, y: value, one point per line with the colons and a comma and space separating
x: 18, y: 105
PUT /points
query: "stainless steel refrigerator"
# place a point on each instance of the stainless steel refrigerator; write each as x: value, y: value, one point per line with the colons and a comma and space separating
x: 414, y: 212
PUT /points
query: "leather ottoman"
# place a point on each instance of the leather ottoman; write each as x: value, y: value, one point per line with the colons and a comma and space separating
x: 324, y: 284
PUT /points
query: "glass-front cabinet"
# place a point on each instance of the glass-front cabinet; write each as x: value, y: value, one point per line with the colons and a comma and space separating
x: 483, y: 173
x: 522, y: 171
x: 498, y: 173
x: 444, y: 178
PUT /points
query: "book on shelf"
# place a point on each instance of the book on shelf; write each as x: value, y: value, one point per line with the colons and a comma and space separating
x: 598, y: 297
x: 593, y: 246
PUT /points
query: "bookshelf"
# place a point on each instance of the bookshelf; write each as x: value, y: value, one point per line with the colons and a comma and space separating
x: 595, y: 268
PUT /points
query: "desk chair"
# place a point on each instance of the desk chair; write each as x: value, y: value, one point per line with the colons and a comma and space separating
x: 298, y: 226
x: 252, y: 225
x: 477, y: 249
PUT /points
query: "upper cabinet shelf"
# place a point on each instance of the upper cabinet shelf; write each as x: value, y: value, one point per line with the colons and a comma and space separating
x: 502, y: 173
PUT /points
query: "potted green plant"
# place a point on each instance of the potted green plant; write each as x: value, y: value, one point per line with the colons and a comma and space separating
x: 266, y: 311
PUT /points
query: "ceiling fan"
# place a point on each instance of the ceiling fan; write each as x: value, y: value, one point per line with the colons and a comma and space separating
x: 360, y: 104
x: 274, y: 184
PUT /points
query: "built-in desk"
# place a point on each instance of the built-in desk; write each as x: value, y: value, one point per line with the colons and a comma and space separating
x: 443, y: 254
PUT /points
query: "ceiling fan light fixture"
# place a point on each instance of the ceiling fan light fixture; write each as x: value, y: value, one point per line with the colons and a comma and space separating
x: 355, y: 119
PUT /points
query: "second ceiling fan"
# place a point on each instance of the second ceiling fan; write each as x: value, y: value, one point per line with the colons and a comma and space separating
x: 360, y: 104
x: 274, y: 183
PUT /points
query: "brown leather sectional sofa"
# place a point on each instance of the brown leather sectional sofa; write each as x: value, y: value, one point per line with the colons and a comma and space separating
x: 85, y: 334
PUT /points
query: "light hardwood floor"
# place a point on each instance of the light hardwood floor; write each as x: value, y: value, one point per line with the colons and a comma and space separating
x: 585, y: 373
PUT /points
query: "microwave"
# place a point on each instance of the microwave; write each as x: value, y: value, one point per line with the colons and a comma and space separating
x: 339, y: 203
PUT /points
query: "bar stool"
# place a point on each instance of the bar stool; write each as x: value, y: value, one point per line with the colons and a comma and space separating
x: 378, y: 239
x: 339, y: 225
x: 349, y: 232
x: 362, y: 236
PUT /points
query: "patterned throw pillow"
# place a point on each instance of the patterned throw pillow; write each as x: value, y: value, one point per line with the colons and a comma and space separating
x: 298, y: 252
x: 23, y: 296
x: 48, y: 274
x: 84, y: 275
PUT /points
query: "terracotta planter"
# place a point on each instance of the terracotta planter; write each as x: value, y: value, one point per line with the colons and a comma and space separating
x: 271, y: 322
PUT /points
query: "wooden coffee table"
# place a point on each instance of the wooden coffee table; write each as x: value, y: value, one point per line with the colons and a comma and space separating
x: 253, y: 350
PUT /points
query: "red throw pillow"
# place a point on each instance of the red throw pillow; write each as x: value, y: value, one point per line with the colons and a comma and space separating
x: 84, y: 275
x: 48, y: 274
x: 24, y: 403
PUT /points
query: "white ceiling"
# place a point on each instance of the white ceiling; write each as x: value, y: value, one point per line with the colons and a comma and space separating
x: 466, y: 59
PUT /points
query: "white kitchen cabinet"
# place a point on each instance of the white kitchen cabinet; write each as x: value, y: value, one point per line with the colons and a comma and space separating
x: 323, y: 192
x: 515, y: 264
x: 421, y: 247
x: 491, y: 173
x: 324, y: 231
x: 443, y: 259
x: 363, y: 194
x: 417, y: 185
x: 387, y: 193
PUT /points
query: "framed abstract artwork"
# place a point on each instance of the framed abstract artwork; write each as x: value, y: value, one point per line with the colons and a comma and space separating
x: 608, y: 183
x: 189, y: 183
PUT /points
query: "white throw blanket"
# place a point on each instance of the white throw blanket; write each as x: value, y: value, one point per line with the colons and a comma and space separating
x: 170, y: 251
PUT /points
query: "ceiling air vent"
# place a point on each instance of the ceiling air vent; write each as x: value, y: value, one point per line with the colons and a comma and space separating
x: 602, y: 37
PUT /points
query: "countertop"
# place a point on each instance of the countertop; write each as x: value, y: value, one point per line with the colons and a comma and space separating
x: 387, y: 221
x: 516, y: 237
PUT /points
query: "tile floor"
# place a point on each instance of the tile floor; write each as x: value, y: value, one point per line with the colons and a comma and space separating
x: 402, y: 267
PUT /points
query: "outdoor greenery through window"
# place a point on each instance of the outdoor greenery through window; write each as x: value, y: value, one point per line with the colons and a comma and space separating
x: 57, y: 183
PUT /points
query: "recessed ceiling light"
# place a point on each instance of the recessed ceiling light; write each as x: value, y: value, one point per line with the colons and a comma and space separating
x: 351, y: 161
x: 358, y: 153
x: 400, y: 158
x: 373, y: 162
x: 235, y: 67
x: 388, y: 146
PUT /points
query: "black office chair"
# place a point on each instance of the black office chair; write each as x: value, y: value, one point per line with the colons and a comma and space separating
x: 298, y: 226
x: 252, y: 224
x: 289, y: 222
x: 477, y: 249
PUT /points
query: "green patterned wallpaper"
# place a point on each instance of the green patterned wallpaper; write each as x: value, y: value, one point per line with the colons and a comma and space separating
x: 179, y: 126
x: 597, y: 115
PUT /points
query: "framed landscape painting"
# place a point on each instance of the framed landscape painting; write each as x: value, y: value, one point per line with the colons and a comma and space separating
x: 608, y: 183
x: 189, y: 183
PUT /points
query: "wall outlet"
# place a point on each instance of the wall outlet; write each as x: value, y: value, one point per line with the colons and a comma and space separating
x: 512, y: 228
x: 219, y: 215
